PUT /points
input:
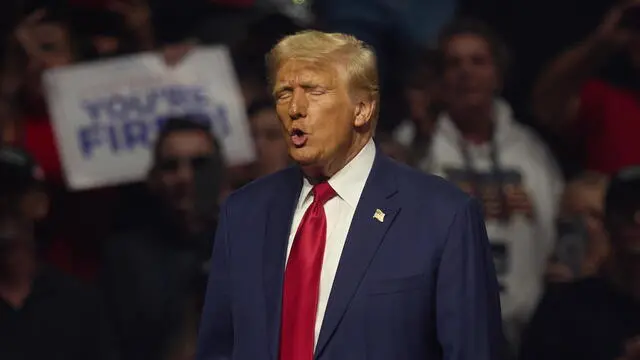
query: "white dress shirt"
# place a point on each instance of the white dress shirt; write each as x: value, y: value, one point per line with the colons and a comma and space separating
x: 348, y: 184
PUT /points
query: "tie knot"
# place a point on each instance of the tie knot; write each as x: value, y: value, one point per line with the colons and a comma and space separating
x: 323, y: 192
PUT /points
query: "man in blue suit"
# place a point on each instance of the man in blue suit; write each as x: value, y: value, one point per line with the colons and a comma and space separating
x: 347, y: 255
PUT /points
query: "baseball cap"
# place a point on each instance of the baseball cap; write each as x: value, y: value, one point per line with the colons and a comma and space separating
x: 622, y: 200
x: 19, y: 172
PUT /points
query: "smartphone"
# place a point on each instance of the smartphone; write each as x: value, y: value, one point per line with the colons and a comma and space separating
x: 571, y: 243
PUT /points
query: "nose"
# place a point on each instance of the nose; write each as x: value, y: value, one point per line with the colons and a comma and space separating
x: 299, y: 105
x: 184, y: 172
x: 466, y: 67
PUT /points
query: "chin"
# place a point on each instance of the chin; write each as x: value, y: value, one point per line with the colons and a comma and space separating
x: 474, y: 101
x: 303, y: 156
x: 305, y: 162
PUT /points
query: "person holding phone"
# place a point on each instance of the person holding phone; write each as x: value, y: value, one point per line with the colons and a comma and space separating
x: 582, y: 243
x: 597, y: 317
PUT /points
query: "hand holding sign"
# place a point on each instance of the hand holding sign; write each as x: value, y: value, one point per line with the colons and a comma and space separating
x: 107, y: 114
x: 173, y: 54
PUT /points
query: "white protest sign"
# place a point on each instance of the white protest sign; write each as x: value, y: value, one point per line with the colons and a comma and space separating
x: 106, y: 114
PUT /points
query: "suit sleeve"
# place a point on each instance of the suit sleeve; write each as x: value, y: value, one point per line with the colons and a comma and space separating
x: 468, y: 319
x: 215, y: 341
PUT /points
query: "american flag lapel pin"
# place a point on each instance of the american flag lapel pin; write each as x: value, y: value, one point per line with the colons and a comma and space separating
x: 379, y: 215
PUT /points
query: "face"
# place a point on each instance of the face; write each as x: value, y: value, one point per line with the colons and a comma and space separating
x: 470, y: 76
x: 421, y: 109
x: 320, y: 120
x: 421, y: 96
x: 106, y: 45
x: 587, y: 203
x: 182, y: 153
x: 35, y: 205
x: 271, y: 147
x: 54, y: 41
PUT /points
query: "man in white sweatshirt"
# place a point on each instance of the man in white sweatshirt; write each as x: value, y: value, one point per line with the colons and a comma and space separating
x: 478, y: 144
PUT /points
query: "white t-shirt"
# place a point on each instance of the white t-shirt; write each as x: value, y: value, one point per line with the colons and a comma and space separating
x: 522, y: 243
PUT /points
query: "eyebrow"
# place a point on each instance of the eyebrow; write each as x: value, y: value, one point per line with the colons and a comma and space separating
x: 281, y: 88
x: 305, y: 85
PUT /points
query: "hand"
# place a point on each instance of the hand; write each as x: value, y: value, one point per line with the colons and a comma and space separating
x: 26, y: 35
x: 558, y: 273
x: 136, y: 13
x: 49, y: 50
x: 175, y: 53
x: 609, y: 31
x: 518, y: 201
x: 493, y: 206
x: 632, y: 350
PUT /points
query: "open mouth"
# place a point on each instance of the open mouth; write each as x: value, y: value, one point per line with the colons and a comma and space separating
x: 298, y: 138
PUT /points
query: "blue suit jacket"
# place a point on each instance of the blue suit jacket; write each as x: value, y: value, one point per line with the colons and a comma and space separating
x: 418, y: 285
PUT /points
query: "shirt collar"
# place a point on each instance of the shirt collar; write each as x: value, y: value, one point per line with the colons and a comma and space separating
x: 349, y: 182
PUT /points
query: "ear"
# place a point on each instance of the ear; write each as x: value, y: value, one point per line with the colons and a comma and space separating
x: 364, y: 112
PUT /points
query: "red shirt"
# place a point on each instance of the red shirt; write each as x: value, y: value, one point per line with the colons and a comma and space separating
x: 609, y: 120
x: 40, y: 142
x: 82, y: 217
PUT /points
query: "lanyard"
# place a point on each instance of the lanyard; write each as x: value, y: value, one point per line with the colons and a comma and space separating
x: 496, y: 171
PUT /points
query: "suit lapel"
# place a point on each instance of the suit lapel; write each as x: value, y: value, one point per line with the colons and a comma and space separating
x: 279, y: 219
x: 364, y: 237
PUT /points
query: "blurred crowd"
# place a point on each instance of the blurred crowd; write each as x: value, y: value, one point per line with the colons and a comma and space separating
x: 533, y: 107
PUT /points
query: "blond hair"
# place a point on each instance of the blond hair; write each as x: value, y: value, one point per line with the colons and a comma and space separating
x: 358, y: 58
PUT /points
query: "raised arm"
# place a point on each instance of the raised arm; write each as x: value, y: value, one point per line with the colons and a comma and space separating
x: 556, y: 95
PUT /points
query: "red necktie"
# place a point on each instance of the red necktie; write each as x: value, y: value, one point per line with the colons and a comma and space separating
x: 302, y: 280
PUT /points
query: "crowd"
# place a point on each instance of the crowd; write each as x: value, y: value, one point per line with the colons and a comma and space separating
x: 120, y: 272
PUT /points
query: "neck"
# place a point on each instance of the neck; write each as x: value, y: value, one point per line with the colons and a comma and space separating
x: 474, y: 122
x: 316, y: 174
